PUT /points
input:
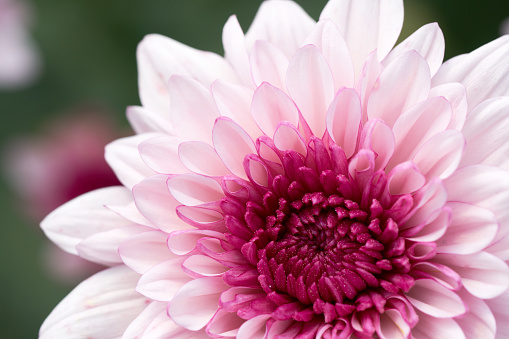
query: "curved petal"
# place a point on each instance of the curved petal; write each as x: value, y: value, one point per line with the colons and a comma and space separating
x: 430, y: 327
x: 235, y: 50
x: 311, y: 86
x: 84, y: 216
x: 456, y: 94
x: 405, y: 178
x: 479, y: 322
x: 254, y: 328
x: 268, y: 64
x: 486, y: 133
x: 201, y: 158
x: 194, y: 189
x: 430, y: 297
x: 366, y: 25
x: 282, y: 23
x: 143, y: 120
x: 498, y: 307
x: 124, y: 159
x: 161, y: 154
x: 101, y: 306
x: 428, y: 41
x: 196, y: 302
x: 484, y: 72
x: 377, y: 136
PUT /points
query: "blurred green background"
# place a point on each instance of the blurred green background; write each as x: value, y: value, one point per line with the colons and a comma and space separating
x: 88, y: 54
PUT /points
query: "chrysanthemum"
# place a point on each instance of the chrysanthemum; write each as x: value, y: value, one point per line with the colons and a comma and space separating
x: 314, y: 182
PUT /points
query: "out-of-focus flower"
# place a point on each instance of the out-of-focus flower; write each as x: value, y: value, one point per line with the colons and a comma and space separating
x: 48, y: 170
x: 504, y: 27
x: 314, y: 182
x: 19, y: 58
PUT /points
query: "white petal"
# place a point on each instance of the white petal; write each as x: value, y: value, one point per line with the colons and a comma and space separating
x: 366, y: 25
x: 402, y: 84
x: 268, y: 64
x: 377, y: 136
x: 194, y: 189
x: 161, y: 154
x: 428, y: 41
x: 456, y: 94
x: 235, y: 50
x: 124, y: 159
x: 311, y: 86
x: 282, y: 23
x: 162, y: 281
x: 84, y: 216
x: 101, y: 306
x: 484, y: 72
x: 143, y: 120
x: 199, y: 157
x: 196, y: 302
x: 486, y: 133
x: 405, y: 178
x: 254, y: 328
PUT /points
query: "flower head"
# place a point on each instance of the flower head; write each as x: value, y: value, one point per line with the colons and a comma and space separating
x: 314, y: 182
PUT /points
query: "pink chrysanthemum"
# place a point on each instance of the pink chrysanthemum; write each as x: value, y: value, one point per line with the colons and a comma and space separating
x: 313, y: 183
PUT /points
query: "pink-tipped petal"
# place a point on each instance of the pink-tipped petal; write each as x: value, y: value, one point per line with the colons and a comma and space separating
x: 124, y: 159
x: 484, y: 72
x: 154, y: 201
x: 224, y: 324
x: 482, y: 274
x: 195, y: 303
x: 440, y: 155
x: 327, y: 38
x: 232, y: 144
x: 402, y: 84
x: 498, y: 307
x: 162, y: 281
x: 271, y: 106
x: 311, y: 86
x: 84, y: 216
x: 343, y: 120
x: 432, y: 298
x: 143, y: 120
x: 101, y: 306
x: 193, y: 110
x: 201, y: 158
x: 268, y: 64
x: 471, y: 230
x: 377, y: 136
x: 254, y: 328
x: 145, y: 250
x: 486, y: 133
x: 282, y: 23
x: 456, y: 94
x: 430, y: 327
x: 479, y: 322
x: 367, y: 78
x: 366, y: 25
x: 392, y: 325
x: 194, y: 189
x: 161, y: 154
x: 428, y: 41
x: 405, y: 178
x: 203, y: 266
x: 287, y: 137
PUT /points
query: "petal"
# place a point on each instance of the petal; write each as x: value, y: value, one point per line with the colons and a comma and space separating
x: 232, y: 144
x: 268, y: 64
x: 491, y: 187
x: 392, y: 325
x: 343, y: 120
x: 160, y: 57
x: 440, y: 155
x: 498, y: 307
x: 196, y: 302
x: 145, y: 250
x: 224, y: 324
x: 417, y: 125
x: 101, y: 306
x: 428, y: 41
x: 405, y: 178
x: 402, y: 84
x: 287, y: 137
x: 456, y: 94
x: 234, y: 101
x: 329, y: 41
x: 203, y: 266
x: 479, y: 322
x: 235, y: 50
x: 154, y: 201
x: 482, y: 274
x: 193, y: 110
x: 484, y: 72
x: 368, y: 76
x: 366, y: 25
x: 143, y: 120
x: 124, y: 159
x: 162, y: 281
x: 103, y: 247
x: 254, y: 328
x: 271, y: 106
x: 84, y: 216
x: 377, y: 136
x: 282, y: 23
x: 471, y: 230
x: 194, y: 189
x: 432, y: 298
x: 430, y: 327
x: 201, y: 158
x: 160, y: 154
x: 311, y: 86
x: 486, y: 133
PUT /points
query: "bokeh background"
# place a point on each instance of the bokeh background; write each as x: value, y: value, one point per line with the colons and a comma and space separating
x: 88, y: 64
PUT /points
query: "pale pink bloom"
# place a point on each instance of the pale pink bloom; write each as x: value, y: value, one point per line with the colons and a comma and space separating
x: 19, y: 57
x: 49, y: 169
x: 313, y: 183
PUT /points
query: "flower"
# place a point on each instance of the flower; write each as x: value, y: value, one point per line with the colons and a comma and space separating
x: 19, y: 60
x: 50, y: 169
x: 314, y: 182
